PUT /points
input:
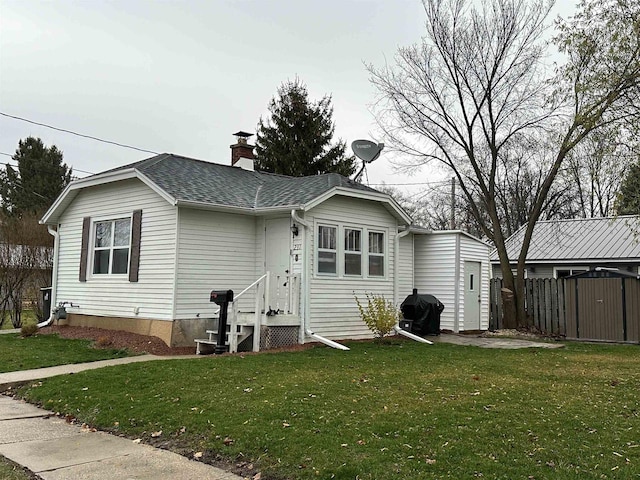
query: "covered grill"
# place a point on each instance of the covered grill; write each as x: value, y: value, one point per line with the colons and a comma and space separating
x: 422, y: 312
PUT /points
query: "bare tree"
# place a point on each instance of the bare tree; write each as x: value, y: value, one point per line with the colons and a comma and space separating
x: 25, y: 266
x: 594, y: 170
x: 477, y: 84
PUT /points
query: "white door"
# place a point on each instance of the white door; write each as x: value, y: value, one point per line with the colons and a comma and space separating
x: 277, y: 251
x: 472, y: 295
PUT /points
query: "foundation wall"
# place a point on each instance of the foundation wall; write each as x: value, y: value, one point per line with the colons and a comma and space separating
x: 179, y: 333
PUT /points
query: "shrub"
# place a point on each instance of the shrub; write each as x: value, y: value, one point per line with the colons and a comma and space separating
x: 380, y: 315
x: 29, y: 329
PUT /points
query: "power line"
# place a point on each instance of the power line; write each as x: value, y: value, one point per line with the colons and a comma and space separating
x: 77, y: 134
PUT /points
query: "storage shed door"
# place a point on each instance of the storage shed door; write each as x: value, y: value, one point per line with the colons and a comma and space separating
x: 472, y: 295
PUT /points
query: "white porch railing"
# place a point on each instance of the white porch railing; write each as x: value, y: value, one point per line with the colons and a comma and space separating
x: 285, y: 294
x: 277, y: 292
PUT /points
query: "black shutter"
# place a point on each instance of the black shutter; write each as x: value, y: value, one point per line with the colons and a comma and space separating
x: 134, y: 257
x: 84, y: 249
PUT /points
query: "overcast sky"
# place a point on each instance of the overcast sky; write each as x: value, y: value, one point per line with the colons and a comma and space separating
x: 181, y: 77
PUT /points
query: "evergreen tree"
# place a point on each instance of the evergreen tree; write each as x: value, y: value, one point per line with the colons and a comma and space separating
x: 296, y: 138
x: 629, y: 197
x: 39, y: 179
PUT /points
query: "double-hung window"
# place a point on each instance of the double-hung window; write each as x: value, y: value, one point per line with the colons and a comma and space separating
x: 327, y: 250
x: 111, y: 246
x: 376, y: 254
x: 352, y: 251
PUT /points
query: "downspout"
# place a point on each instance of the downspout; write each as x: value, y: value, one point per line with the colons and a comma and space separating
x: 306, y: 288
x: 54, y: 276
x: 456, y: 295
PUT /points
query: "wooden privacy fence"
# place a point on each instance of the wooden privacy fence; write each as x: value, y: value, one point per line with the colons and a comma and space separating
x: 544, y: 303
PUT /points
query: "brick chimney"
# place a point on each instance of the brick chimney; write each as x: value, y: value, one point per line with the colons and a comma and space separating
x: 241, y: 150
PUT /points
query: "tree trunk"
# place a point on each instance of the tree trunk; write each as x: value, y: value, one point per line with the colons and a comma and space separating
x: 509, y: 311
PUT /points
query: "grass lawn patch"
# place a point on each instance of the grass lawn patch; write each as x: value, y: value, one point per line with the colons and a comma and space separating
x: 12, y: 471
x: 400, y: 411
x: 17, y: 353
x: 28, y: 317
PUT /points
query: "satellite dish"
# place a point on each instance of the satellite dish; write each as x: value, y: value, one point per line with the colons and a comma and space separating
x: 366, y: 150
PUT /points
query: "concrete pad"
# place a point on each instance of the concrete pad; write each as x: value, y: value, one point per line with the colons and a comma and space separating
x: 39, y: 456
x: 493, y: 342
x: 146, y: 464
x: 38, y: 428
x: 12, y: 409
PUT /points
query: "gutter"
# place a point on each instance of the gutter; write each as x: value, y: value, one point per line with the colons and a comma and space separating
x: 306, y: 289
x: 54, y: 276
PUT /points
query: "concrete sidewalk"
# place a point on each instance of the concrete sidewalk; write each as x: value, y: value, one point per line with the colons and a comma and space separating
x: 56, y: 450
x: 15, y: 378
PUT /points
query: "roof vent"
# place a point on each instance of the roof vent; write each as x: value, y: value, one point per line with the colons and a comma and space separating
x: 241, y: 151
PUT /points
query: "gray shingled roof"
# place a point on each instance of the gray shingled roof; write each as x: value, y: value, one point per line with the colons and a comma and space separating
x: 187, y: 179
x: 579, y: 239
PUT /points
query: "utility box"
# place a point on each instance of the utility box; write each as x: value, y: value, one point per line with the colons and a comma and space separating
x: 46, y: 302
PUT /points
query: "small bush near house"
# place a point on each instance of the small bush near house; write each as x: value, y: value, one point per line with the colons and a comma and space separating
x: 28, y: 330
x: 380, y: 315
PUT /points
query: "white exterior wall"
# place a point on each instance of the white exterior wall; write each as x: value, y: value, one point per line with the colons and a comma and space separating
x: 333, y: 312
x: 103, y: 295
x: 440, y: 272
x: 435, y: 272
x: 475, y: 251
x: 405, y: 268
x: 216, y: 251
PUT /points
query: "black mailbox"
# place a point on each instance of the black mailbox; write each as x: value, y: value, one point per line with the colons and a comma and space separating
x: 222, y: 298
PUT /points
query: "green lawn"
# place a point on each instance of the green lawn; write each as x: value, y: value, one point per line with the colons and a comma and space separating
x: 402, y: 411
x: 28, y: 317
x: 11, y: 471
x: 17, y: 353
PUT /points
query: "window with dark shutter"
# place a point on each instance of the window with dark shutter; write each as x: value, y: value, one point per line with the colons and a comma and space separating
x: 84, y: 249
x: 134, y: 258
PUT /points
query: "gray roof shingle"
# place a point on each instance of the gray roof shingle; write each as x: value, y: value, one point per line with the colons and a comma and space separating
x: 191, y: 180
x: 616, y: 238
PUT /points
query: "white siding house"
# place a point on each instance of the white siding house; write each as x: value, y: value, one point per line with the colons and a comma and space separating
x: 140, y: 248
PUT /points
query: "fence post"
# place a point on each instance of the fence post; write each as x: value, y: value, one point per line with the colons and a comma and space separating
x: 499, y: 322
x: 548, y: 322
